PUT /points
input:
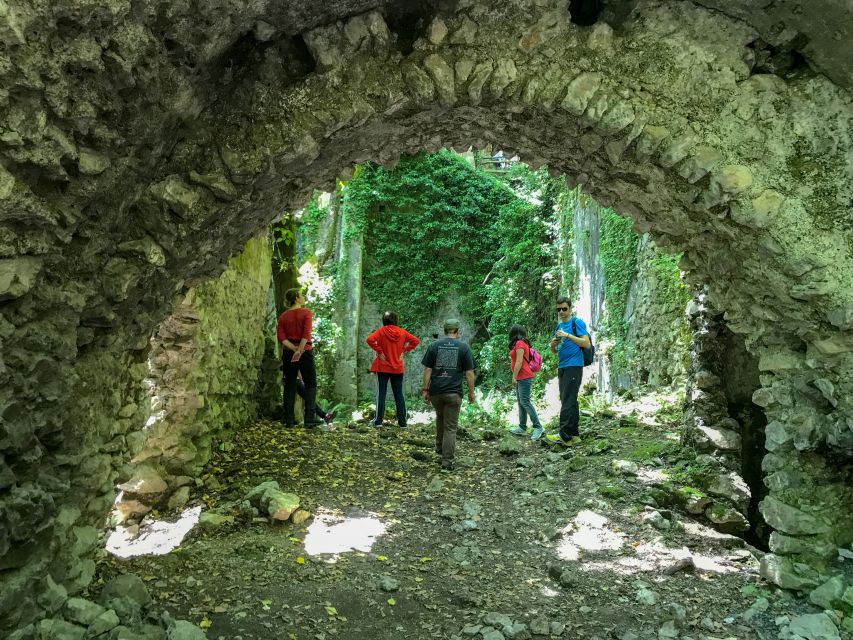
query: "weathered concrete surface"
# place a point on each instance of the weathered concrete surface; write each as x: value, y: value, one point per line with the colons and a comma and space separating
x: 139, y: 150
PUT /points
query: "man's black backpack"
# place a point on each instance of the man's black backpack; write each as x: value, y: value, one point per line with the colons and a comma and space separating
x: 589, y: 352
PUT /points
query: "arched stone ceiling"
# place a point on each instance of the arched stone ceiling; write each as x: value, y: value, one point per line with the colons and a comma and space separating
x: 143, y: 143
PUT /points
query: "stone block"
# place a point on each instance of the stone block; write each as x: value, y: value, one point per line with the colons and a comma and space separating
x: 813, y: 626
x: 145, y: 481
x: 580, y: 91
x: 788, y: 519
x: 126, y: 586
x: 784, y: 573
x: 82, y: 611
x: 716, y: 439
x: 829, y: 594
x: 51, y: 629
x: 18, y: 276
x: 443, y: 77
x: 176, y: 194
x: 185, y: 630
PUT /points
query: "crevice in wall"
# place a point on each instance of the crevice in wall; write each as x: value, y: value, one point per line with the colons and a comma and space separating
x: 585, y: 12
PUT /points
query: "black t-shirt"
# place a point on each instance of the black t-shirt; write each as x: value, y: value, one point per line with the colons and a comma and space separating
x: 449, y: 359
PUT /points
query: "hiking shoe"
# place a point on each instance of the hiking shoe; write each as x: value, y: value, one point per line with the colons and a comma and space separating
x: 537, y: 433
x: 329, y: 417
x: 447, y: 467
x: 554, y: 438
x: 518, y: 431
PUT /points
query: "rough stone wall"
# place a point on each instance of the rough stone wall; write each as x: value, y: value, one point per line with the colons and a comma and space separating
x: 141, y: 148
x: 658, y: 337
x: 723, y: 425
x: 205, y: 366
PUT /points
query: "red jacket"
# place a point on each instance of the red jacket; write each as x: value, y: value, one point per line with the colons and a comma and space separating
x: 393, y: 342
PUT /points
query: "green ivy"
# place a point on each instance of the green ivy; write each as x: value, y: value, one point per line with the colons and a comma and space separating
x: 429, y: 232
x: 618, y: 253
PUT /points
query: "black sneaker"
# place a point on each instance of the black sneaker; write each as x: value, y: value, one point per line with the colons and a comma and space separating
x: 447, y: 467
x: 329, y: 417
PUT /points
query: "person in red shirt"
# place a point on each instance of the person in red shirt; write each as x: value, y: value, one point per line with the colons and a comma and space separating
x: 390, y: 342
x: 522, y: 380
x: 297, y: 357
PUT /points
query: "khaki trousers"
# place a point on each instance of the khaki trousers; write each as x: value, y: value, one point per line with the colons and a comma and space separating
x: 447, y: 406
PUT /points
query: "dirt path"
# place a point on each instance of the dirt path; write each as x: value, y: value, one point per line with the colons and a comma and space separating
x: 558, y: 541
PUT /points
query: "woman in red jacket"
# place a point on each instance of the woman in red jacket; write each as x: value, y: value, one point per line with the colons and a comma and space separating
x: 390, y: 342
x: 297, y: 356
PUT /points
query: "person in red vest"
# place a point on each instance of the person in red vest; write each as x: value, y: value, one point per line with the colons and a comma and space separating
x: 390, y: 342
x: 297, y: 357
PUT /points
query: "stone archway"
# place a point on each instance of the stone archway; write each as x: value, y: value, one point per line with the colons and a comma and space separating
x: 142, y: 150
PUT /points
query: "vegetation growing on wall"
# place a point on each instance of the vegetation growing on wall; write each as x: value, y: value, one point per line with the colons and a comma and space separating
x: 429, y: 233
x: 618, y: 252
x: 525, y: 280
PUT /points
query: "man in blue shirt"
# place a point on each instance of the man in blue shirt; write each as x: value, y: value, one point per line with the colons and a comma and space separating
x: 567, y: 343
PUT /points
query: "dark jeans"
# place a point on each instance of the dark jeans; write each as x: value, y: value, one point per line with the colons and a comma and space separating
x: 300, y: 391
x: 447, y: 406
x: 396, y: 380
x: 305, y: 366
x: 570, y: 383
x: 525, y: 406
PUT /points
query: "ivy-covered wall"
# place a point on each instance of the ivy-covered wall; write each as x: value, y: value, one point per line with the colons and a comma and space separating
x: 658, y: 336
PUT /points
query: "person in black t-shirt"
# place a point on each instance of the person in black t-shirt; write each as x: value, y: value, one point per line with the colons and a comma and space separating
x: 445, y: 363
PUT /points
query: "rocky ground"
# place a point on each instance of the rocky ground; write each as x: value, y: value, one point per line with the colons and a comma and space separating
x: 521, y: 540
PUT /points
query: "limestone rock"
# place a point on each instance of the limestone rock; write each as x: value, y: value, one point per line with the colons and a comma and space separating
x: 107, y: 621
x: 92, y: 163
x: 179, y: 499
x: 177, y: 194
x: 717, y: 438
x: 126, y: 586
x: 278, y: 504
x: 580, y: 91
x: 785, y: 573
x: 60, y: 630
x: 299, y: 516
x: 185, y: 630
x: 442, y: 75
x: 829, y: 594
x: 625, y: 467
x: 212, y: 520
x: 814, y: 626
x: 789, y: 519
x: 437, y: 31
x: 732, y: 487
x: 509, y: 446
x: 144, y: 481
x: 82, y: 611
x: 726, y: 519
x: 217, y: 182
x: 18, y: 276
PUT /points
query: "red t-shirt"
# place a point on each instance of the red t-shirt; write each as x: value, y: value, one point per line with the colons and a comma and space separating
x: 524, y: 373
x: 295, y: 324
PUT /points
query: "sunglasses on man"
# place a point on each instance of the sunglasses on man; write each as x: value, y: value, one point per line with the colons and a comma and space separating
x: 562, y: 308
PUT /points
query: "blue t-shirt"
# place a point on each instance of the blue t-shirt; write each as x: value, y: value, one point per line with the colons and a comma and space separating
x: 568, y: 353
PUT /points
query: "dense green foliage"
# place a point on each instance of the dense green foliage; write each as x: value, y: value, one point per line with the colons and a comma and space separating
x: 526, y: 278
x: 618, y: 253
x: 429, y: 234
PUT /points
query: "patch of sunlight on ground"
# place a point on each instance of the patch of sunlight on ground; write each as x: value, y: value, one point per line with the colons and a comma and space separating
x: 590, y: 540
x: 651, y: 476
x: 425, y: 416
x: 589, y: 531
x: 548, y: 592
x: 153, y: 539
x: 333, y: 533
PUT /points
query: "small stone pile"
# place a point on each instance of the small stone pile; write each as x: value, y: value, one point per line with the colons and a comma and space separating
x: 500, y: 626
x: 122, y: 612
